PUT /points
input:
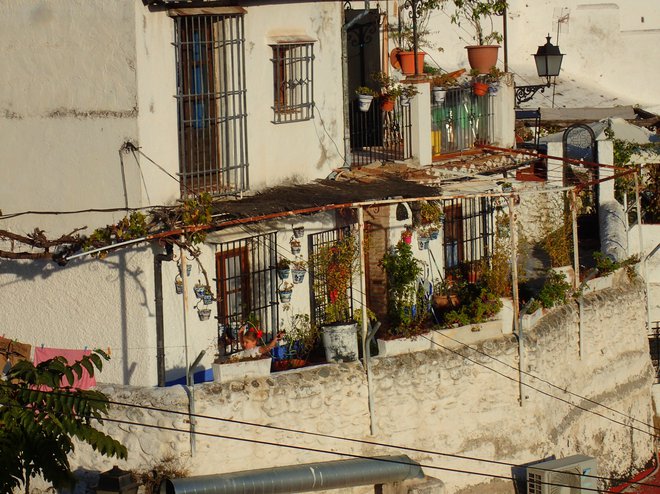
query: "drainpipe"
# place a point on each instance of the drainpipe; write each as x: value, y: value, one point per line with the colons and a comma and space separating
x: 344, y: 81
x: 521, y: 351
x: 158, y: 290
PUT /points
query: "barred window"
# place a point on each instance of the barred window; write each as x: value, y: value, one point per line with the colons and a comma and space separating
x: 212, y: 114
x: 293, y: 82
x: 246, y: 288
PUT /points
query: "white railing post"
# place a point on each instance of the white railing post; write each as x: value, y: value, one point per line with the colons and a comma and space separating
x: 420, y: 120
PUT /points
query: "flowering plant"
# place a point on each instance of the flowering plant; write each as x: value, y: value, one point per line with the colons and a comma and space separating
x: 335, y: 263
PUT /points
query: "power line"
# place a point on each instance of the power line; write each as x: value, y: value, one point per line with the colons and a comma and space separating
x: 316, y: 434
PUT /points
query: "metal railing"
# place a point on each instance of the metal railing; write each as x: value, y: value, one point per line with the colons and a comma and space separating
x: 380, y: 134
x: 460, y: 121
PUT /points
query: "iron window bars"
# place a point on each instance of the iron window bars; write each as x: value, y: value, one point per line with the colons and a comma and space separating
x: 246, y: 287
x: 469, y: 234
x: 211, y: 99
x: 293, y: 82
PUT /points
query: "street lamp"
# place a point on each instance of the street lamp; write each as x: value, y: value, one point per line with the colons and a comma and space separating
x: 548, y: 64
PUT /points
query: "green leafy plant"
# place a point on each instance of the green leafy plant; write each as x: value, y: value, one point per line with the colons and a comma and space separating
x: 558, y: 244
x: 366, y: 91
x: 300, y: 336
x: 283, y: 263
x: 38, y: 427
x: 430, y: 213
x: 197, y: 212
x: 606, y: 265
x: 475, y: 13
x: 128, y: 228
x: 402, y: 271
x: 555, y: 291
x: 478, y: 304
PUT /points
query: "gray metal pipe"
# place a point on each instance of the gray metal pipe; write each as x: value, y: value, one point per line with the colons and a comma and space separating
x: 300, y: 478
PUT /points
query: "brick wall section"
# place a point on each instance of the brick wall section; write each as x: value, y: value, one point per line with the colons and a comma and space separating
x: 378, y: 220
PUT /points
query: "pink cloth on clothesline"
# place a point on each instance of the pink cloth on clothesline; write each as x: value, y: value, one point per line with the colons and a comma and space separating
x: 85, y: 382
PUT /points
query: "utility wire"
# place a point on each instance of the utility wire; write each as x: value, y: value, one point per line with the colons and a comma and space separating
x: 315, y: 434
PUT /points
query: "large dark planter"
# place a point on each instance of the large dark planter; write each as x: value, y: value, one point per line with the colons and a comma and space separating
x: 482, y: 57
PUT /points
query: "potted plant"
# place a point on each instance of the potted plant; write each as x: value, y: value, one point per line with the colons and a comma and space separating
x: 299, y: 270
x: 299, y: 339
x: 409, y: 39
x: 406, y: 235
x: 441, y: 83
x: 483, y: 55
x: 445, y: 295
x: 299, y: 231
x: 334, y: 264
x: 430, y: 214
x: 283, y: 268
x: 365, y: 97
x: 296, y: 246
x: 390, y: 89
x: 407, y: 93
x: 285, y: 291
x: 423, y: 238
x: 406, y: 309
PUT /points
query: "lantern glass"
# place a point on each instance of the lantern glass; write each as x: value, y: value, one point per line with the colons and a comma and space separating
x: 548, y: 60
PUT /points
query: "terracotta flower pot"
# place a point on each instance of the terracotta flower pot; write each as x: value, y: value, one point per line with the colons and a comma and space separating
x: 407, y: 62
x: 480, y: 88
x: 387, y: 104
x: 482, y: 57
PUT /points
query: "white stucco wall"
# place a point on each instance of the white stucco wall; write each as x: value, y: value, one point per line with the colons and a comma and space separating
x: 435, y: 400
x: 69, y: 102
x: 309, y: 149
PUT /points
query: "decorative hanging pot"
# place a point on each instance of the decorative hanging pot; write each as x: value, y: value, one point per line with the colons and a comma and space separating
x: 434, y: 235
x: 423, y: 243
x: 207, y: 298
x: 285, y: 296
x: 295, y: 247
x: 283, y: 274
x: 178, y: 284
x: 298, y: 231
x: 204, y: 314
x: 404, y: 100
x: 188, y: 269
x: 364, y: 102
x: 439, y: 95
x: 199, y: 290
x: 298, y: 275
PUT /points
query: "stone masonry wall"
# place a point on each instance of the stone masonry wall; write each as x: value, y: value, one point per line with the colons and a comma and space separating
x: 540, y: 213
x: 459, y: 402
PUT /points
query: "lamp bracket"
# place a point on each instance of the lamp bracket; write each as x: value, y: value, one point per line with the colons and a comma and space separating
x: 526, y: 93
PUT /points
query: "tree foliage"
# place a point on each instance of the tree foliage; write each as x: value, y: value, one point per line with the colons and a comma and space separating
x: 40, y: 416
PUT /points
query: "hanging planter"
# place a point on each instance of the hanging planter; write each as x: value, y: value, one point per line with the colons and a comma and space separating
x: 283, y: 268
x: 404, y: 100
x: 188, y: 269
x: 285, y: 292
x: 439, y: 95
x: 207, y: 299
x: 364, y: 102
x: 298, y: 275
x: 204, y: 314
x: 423, y: 242
x: 479, y: 88
x: 406, y: 236
x: 434, y: 234
x: 295, y: 246
x: 199, y: 290
x: 298, y: 231
x: 493, y: 88
x: 387, y: 103
x: 178, y: 284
